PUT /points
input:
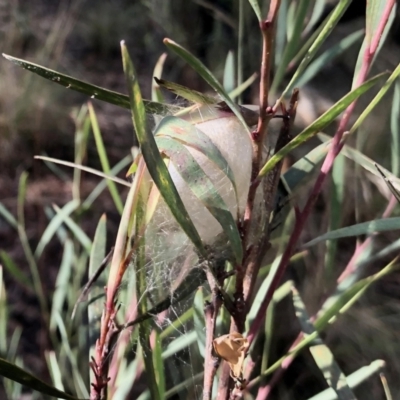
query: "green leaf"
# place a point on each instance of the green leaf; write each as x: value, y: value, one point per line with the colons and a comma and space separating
x: 345, y: 297
x: 8, y: 216
x: 75, y: 229
x: 195, y: 379
x: 23, y: 237
x: 102, y: 184
x: 17, y: 374
x: 88, y: 169
x: 229, y: 72
x: 320, y: 123
x: 72, y: 356
x: 353, y: 380
x: 3, y: 314
x: 367, y: 163
x: 95, y: 92
x: 395, y: 130
x: 189, y: 94
x: 256, y: 7
x: 365, y: 228
x: 295, y: 27
x: 314, y: 44
x: 63, y: 283
x: 206, y: 74
x: 330, y: 312
x: 203, y: 188
x: 393, y: 77
x: 280, y: 33
x: 152, y: 157
x: 316, y: 15
x: 14, y: 270
x: 199, y: 320
x: 337, y: 197
x: 395, y: 192
x: 180, y: 343
x: 242, y: 87
x: 54, y: 225
x: 156, y: 94
x: 325, y: 58
x: 281, y: 292
x: 158, y: 365
x: 302, y: 170
x: 321, y: 353
x: 104, y: 159
x: 54, y: 369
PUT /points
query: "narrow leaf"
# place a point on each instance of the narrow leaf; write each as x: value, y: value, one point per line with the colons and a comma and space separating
x: 63, y: 283
x: 395, y: 192
x: 316, y: 43
x: 87, y: 169
x: 324, y: 59
x: 101, y: 151
x: 156, y: 94
x: 189, y: 94
x: 366, y: 112
x: 54, y: 225
x: 229, y: 72
x: 354, y: 380
x: 206, y: 74
x: 199, y: 320
x: 152, y: 157
x: 256, y: 7
x: 95, y: 92
x: 321, y: 353
x: 17, y: 374
x: 320, y: 123
x: 365, y: 228
x: 75, y: 229
x: 14, y: 270
x: 242, y: 87
x: 8, y: 216
x: 298, y: 10
x: 367, y: 163
x: 395, y: 129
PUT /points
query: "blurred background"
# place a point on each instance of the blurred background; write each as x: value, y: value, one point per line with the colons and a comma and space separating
x: 82, y: 38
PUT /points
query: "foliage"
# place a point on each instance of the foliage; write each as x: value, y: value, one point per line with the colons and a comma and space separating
x: 178, y: 304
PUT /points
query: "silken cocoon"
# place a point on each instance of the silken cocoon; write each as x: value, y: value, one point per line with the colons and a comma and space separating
x: 234, y: 143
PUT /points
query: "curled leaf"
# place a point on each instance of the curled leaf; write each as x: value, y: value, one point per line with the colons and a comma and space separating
x: 232, y: 348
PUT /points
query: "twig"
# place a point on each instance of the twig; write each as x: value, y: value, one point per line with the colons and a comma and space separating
x: 108, y: 332
x: 211, y: 362
x: 245, y: 273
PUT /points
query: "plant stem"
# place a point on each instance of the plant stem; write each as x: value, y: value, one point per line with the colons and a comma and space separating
x: 247, y: 272
x: 211, y: 363
x: 246, y: 279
